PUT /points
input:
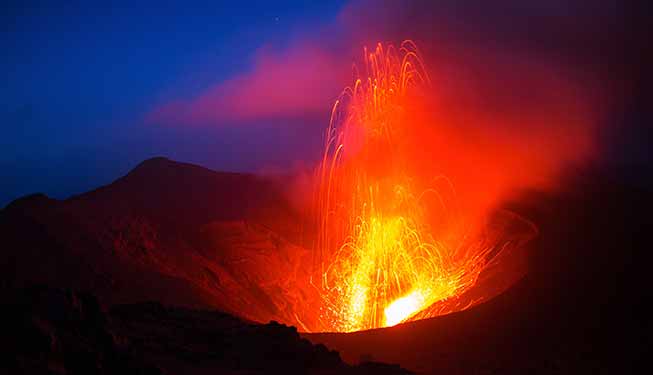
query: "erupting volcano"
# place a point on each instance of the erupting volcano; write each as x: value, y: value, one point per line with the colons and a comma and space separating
x: 473, y: 201
x: 389, y: 246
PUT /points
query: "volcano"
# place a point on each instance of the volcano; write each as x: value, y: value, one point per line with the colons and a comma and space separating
x: 162, y: 233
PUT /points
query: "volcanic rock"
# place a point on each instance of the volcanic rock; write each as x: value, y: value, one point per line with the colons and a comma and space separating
x: 171, y: 232
x: 50, y: 331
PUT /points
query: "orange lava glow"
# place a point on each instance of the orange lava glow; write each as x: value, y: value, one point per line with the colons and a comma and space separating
x: 379, y: 257
x: 403, y: 308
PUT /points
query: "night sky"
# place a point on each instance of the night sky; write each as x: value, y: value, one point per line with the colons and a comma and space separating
x: 80, y: 79
x: 89, y: 91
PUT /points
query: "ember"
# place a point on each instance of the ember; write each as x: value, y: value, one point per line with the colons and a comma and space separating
x: 379, y: 260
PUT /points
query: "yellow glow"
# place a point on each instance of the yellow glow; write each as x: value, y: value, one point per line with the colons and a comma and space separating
x: 379, y: 261
x: 403, y: 308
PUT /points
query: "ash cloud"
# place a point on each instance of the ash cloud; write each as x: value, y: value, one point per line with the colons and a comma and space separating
x: 541, y: 79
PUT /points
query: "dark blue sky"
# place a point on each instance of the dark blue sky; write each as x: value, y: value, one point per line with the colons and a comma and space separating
x: 78, y: 78
x: 89, y: 91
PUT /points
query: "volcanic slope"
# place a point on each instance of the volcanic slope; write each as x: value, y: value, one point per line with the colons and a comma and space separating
x: 172, y: 232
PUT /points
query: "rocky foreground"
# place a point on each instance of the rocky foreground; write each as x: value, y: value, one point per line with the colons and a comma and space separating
x: 57, y: 331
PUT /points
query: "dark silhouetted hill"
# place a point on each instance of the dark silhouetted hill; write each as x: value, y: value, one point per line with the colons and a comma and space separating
x: 171, y: 232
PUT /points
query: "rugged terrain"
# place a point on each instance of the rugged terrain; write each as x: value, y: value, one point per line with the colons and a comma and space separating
x: 57, y: 331
x: 167, y: 231
x: 133, y: 275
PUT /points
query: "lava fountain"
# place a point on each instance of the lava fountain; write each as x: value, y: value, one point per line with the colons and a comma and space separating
x: 380, y: 257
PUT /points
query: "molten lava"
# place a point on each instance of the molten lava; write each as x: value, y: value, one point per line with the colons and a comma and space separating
x: 404, y: 307
x: 379, y: 258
